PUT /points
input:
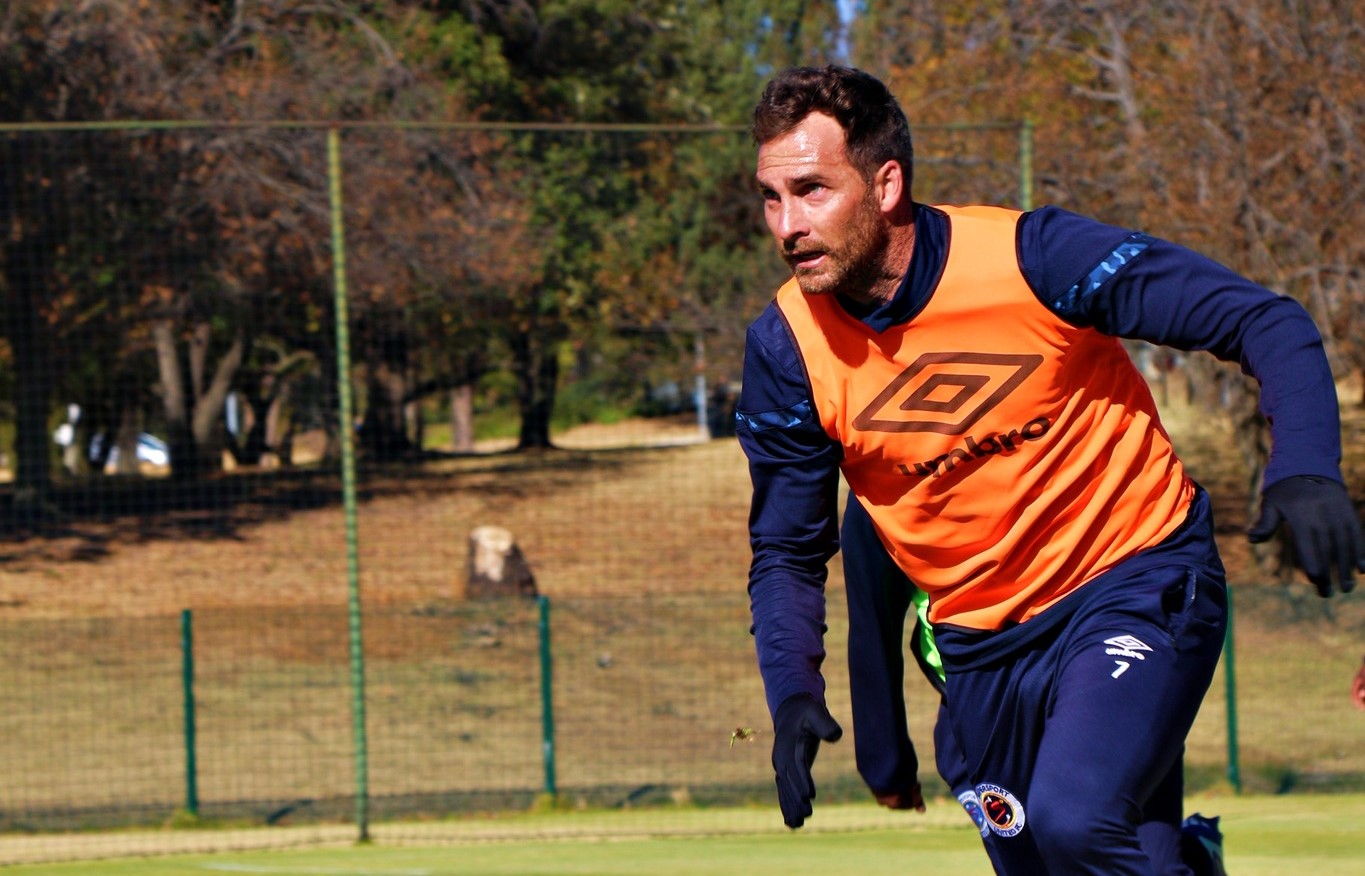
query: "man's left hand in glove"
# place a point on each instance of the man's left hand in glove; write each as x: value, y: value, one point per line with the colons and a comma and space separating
x: 1323, y: 527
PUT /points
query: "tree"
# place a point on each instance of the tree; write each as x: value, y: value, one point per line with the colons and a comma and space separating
x: 611, y: 213
x: 686, y: 270
x: 211, y: 233
x: 56, y: 64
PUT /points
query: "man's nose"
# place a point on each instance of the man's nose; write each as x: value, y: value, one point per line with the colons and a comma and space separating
x: 788, y: 223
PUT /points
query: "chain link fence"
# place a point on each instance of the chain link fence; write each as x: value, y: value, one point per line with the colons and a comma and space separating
x: 228, y: 598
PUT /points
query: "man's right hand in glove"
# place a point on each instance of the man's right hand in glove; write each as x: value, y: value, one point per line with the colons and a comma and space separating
x: 799, y: 726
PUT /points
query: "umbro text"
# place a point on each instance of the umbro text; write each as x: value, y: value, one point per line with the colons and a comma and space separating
x: 975, y: 449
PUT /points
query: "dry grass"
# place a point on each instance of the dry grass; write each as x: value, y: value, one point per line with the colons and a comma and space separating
x: 618, y: 510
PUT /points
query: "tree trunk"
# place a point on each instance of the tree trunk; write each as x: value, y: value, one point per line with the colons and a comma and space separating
x: 125, y: 438
x: 329, y: 404
x: 383, y: 432
x: 33, y: 390
x: 279, y: 427
x: 174, y: 400
x: 28, y: 243
x: 248, y: 444
x: 416, y: 424
x: 462, y: 418
x: 194, y: 412
x: 537, y: 377
x: 209, y: 400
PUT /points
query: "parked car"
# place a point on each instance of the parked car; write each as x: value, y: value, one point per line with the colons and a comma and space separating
x: 150, y: 449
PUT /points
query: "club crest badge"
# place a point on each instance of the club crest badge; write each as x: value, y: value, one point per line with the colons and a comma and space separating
x: 1003, y: 812
x: 973, y: 807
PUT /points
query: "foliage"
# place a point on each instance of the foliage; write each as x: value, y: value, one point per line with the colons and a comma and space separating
x: 608, y: 212
x: 1232, y: 127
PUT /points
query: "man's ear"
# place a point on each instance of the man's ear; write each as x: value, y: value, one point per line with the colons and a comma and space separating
x: 889, y: 183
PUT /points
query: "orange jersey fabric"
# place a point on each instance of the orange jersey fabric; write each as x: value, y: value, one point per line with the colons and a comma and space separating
x: 1005, y: 456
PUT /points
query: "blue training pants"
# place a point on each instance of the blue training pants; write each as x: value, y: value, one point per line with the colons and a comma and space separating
x: 1072, y: 725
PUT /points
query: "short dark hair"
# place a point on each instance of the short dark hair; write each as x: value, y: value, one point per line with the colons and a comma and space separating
x: 875, y: 128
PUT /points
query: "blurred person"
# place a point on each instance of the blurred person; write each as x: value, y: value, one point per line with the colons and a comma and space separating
x: 961, y: 368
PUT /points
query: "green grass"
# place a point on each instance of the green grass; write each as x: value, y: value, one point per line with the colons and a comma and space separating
x: 1265, y: 836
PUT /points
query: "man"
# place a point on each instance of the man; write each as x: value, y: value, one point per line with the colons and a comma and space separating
x: 961, y: 368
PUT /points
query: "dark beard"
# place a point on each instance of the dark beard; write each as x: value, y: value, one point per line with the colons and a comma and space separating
x: 865, y: 271
x: 858, y: 264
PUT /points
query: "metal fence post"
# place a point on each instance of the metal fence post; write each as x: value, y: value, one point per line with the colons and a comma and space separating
x: 187, y: 685
x: 1230, y: 686
x: 348, y: 487
x: 547, y: 700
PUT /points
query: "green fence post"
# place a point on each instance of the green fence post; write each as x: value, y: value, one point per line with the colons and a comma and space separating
x: 187, y: 685
x: 547, y: 700
x: 348, y: 488
x: 1230, y: 685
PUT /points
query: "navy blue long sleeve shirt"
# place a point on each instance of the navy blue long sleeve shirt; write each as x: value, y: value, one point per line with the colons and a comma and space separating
x: 1117, y: 281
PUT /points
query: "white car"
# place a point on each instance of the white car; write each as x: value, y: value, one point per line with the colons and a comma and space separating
x: 150, y: 449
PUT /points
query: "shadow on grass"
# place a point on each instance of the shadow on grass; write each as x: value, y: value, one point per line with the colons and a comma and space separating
x: 88, y: 515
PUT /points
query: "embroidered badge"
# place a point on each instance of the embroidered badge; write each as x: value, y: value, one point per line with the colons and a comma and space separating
x: 1003, y: 811
x: 973, y: 807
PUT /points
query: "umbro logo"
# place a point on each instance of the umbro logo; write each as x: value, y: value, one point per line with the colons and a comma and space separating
x: 1129, y: 647
x: 1126, y: 646
x: 945, y: 392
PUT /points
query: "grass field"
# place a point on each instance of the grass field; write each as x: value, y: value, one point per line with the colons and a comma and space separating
x: 1264, y: 836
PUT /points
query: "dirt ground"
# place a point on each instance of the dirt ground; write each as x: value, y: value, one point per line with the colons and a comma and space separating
x: 639, y: 506
x: 612, y: 509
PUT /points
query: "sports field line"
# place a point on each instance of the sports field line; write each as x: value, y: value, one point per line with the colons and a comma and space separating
x: 661, y: 823
x: 54, y: 847
x: 1266, y: 835
x: 321, y: 870
x: 275, y: 870
x: 516, y: 827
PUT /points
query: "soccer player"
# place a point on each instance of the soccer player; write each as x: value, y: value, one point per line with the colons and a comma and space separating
x: 961, y: 367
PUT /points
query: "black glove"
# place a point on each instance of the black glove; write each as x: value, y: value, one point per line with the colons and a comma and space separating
x: 1324, y: 528
x: 799, y: 725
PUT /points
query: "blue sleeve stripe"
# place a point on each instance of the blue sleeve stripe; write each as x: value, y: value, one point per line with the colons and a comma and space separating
x: 1072, y: 302
x: 783, y: 419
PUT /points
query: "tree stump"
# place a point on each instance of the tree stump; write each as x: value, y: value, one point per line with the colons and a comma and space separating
x: 497, y: 567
